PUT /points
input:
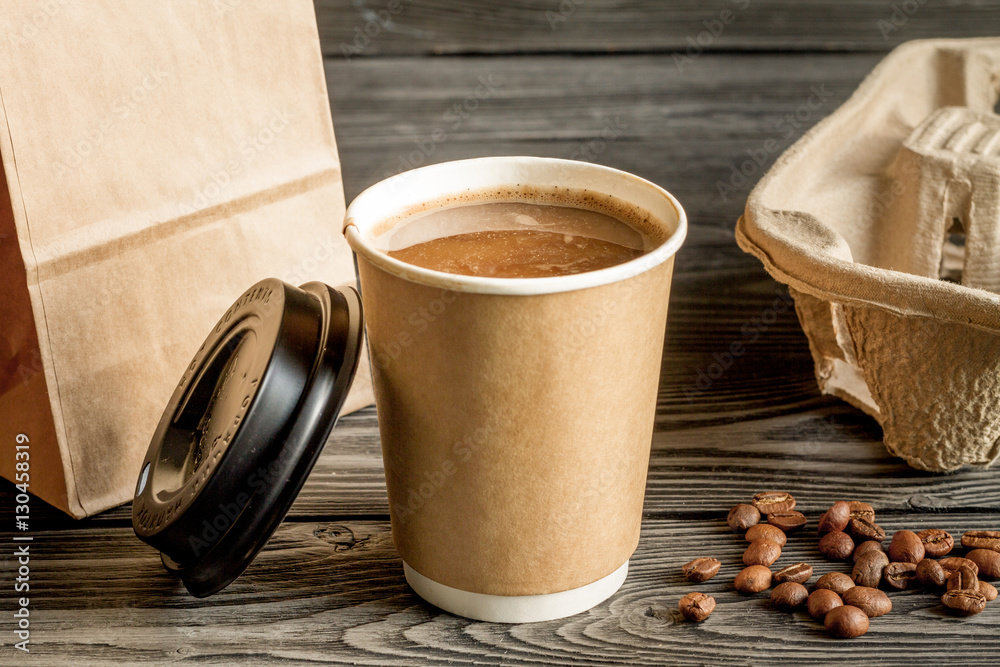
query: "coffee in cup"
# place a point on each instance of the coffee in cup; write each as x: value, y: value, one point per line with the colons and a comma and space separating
x: 516, y: 239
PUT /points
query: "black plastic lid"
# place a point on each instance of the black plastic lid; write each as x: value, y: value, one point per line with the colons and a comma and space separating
x: 244, y: 427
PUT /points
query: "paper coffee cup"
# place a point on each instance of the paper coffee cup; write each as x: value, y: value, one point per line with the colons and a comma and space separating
x: 515, y: 414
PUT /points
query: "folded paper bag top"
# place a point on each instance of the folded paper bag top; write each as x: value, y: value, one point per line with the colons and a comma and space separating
x: 244, y: 428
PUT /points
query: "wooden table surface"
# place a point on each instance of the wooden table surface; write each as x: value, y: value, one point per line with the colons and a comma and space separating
x: 681, y: 93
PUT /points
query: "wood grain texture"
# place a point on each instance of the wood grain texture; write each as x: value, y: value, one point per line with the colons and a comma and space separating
x: 687, y: 129
x: 820, y: 450
x: 362, y: 28
x: 334, y: 592
x: 329, y: 588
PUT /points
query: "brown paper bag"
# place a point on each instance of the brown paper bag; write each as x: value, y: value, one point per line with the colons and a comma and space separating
x: 158, y: 158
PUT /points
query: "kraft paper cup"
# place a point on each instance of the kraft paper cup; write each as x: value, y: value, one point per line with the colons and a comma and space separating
x: 515, y: 414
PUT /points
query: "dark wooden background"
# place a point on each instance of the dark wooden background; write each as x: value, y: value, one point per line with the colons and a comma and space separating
x: 329, y: 586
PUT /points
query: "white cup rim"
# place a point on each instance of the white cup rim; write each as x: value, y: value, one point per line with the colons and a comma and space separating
x: 373, y: 206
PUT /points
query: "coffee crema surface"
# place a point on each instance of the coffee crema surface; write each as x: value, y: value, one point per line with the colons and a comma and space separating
x: 516, y: 240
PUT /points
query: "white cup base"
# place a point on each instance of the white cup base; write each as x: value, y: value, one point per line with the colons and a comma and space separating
x: 515, y: 608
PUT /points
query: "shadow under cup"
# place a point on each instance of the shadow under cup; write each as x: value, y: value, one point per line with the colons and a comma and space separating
x: 515, y: 414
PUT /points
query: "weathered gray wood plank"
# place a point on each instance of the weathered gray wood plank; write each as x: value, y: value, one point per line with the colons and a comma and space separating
x: 823, y: 454
x: 334, y: 592
x: 359, y: 28
x: 685, y: 128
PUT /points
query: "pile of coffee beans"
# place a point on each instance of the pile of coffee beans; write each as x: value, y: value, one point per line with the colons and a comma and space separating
x: 848, y: 532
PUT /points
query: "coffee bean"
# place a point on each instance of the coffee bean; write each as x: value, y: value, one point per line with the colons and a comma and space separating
x: 767, y: 532
x: 696, y: 606
x: 952, y: 563
x: 988, y: 591
x: 821, y: 601
x: 773, y: 501
x: 963, y: 579
x: 906, y: 547
x: 835, y: 518
x: 982, y: 539
x: 862, y: 529
x: 870, y: 600
x: 742, y: 516
x: 868, y: 570
x: 964, y: 602
x: 937, y: 542
x: 865, y: 547
x: 787, y: 521
x: 701, y: 569
x: 846, y: 622
x: 761, y: 552
x: 836, y: 545
x: 987, y: 562
x: 900, y: 575
x: 753, y: 579
x: 860, y: 510
x: 798, y: 573
x: 789, y: 596
x: 838, y: 582
x: 930, y: 574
